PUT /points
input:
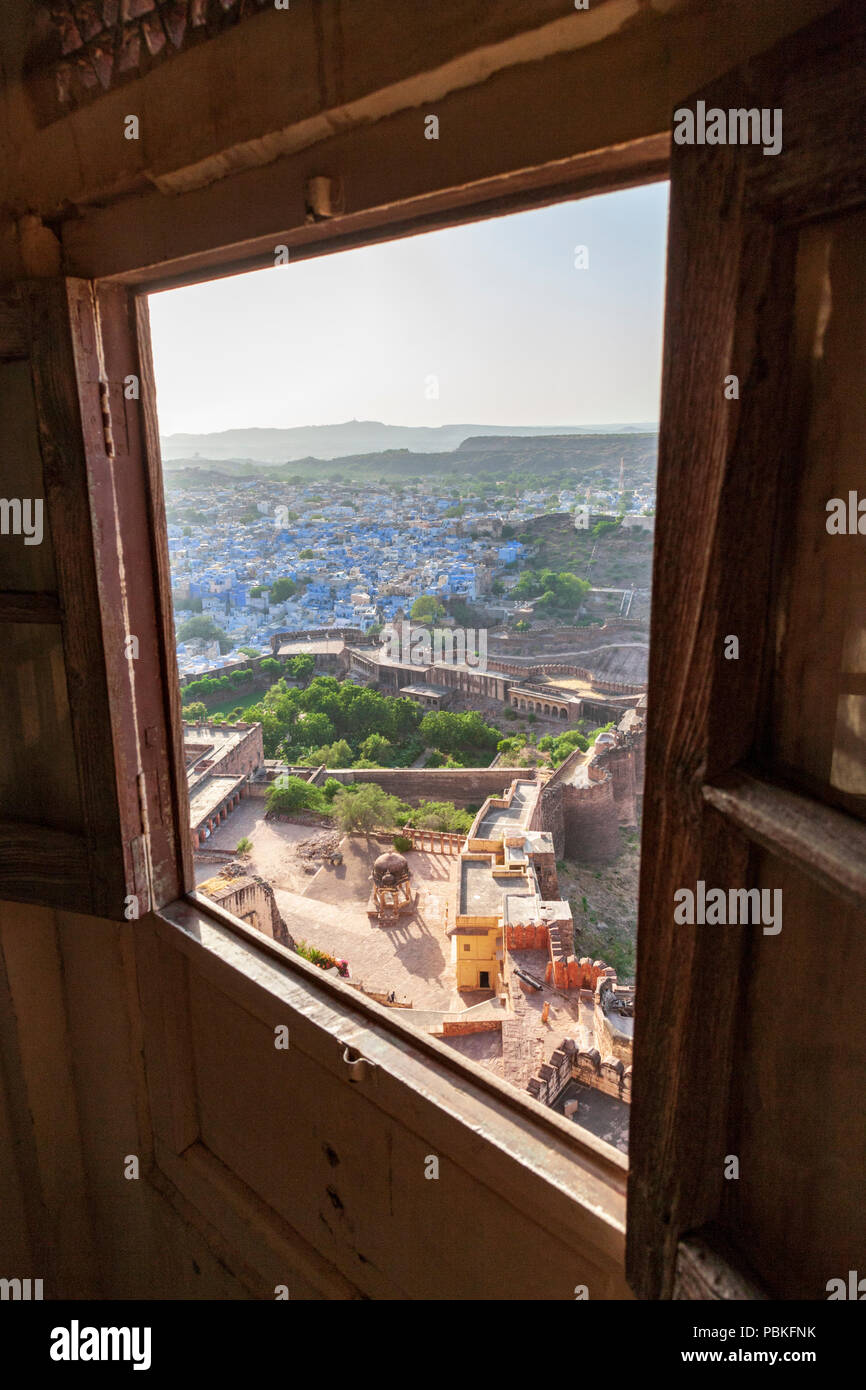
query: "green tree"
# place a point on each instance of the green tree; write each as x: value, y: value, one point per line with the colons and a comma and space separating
x: 338, y: 754
x: 313, y: 729
x: 197, y: 711
x: 368, y: 808
x: 449, y: 732
x: 282, y: 589
x: 440, y: 815
x: 426, y: 609
x: 293, y: 794
x: 377, y: 749
x: 302, y: 666
x: 202, y: 627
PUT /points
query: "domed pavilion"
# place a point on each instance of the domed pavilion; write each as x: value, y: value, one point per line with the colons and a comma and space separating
x: 392, y: 888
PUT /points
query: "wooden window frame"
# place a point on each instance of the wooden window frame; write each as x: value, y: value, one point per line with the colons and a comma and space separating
x: 533, y: 1141
x: 560, y: 1177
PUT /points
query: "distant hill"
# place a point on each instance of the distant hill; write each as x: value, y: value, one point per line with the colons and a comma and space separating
x: 623, y: 558
x: 573, y: 459
x: 356, y: 437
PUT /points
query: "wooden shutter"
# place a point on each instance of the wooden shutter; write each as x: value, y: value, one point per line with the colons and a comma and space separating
x: 92, y: 812
x: 749, y: 1044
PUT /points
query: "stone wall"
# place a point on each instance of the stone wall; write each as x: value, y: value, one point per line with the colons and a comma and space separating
x: 620, y: 762
x: 451, y: 1028
x: 548, y: 815
x: 611, y: 1075
x: 591, y: 820
x: 330, y: 634
x: 548, y: 879
x: 610, y: 1040
x: 551, y: 1077
x: 465, y: 786
x: 250, y: 898
x: 245, y: 756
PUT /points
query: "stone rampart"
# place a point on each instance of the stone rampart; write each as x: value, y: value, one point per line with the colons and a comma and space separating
x: 621, y: 763
x: 465, y: 786
x: 591, y: 820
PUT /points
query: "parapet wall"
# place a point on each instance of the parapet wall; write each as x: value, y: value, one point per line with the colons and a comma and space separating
x: 465, y: 786
x: 607, y: 1065
x: 610, y: 1075
x: 244, y: 756
x: 532, y: 937
x: 551, y: 1078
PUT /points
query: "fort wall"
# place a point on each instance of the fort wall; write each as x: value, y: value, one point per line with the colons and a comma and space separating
x: 621, y: 763
x: 465, y: 786
x: 249, y: 897
x: 591, y: 819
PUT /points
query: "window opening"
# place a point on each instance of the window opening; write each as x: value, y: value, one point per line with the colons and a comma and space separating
x: 413, y: 651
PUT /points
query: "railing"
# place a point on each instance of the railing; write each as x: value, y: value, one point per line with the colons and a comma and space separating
x: 435, y: 841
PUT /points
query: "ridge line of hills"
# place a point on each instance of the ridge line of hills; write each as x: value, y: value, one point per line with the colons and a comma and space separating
x: 355, y: 438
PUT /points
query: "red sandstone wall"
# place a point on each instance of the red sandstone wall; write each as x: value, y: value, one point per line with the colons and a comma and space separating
x: 533, y: 937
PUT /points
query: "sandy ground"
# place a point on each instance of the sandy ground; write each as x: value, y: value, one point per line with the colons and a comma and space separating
x: 412, y: 958
x: 272, y: 856
x: 328, y: 909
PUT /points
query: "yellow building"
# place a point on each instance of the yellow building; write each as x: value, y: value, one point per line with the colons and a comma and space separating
x: 478, y: 956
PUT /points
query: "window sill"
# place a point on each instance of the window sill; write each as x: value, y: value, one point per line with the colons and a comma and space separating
x: 571, y: 1185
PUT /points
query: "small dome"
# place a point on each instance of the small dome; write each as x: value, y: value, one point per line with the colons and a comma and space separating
x: 606, y: 737
x: 390, y: 869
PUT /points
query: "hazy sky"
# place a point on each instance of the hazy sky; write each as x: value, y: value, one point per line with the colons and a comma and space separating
x: 496, y: 311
